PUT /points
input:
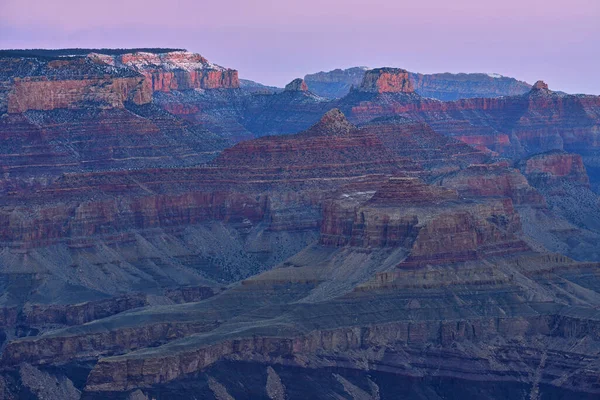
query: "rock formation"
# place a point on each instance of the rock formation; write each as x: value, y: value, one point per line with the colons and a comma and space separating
x: 556, y: 166
x: 297, y: 85
x: 381, y: 245
x: 540, y: 85
x: 386, y: 80
x: 72, y: 83
x: 444, y: 86
x: 178, y: 70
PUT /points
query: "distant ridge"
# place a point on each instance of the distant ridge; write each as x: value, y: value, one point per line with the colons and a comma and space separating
x: 60, y: 53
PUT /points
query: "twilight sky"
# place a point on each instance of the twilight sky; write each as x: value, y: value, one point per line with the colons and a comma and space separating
x: 275, y: 41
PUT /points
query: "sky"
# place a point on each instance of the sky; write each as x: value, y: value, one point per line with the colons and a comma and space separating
x: 274, y: 42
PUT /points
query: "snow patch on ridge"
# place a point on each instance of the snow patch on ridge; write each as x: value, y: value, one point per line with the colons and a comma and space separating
x: 175, y: 60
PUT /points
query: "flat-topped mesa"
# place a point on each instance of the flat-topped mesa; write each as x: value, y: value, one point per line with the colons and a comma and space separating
x: 387, y: 80
x: 297, y: 85
x: 555, y: 166
x: 74, y: 83
x: 175, y: 70
x: 333, y: 123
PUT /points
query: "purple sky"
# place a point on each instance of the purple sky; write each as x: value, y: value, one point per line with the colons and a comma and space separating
x: 274, y: 41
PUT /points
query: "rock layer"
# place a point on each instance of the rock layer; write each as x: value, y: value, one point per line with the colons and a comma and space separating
x: 386, y: 80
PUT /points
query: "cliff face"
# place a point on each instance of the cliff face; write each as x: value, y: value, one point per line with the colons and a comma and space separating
x: 179, y: 70
x: 444, y: 86
x: 386, y: 80
x: 538, y: 121
x: 493, y: 181
x: 337, y: 83
x: 91, y: 111
x: 427, y: 220
x: 556, y: 166
x: 106, y: 81
x: 366, y: 252
x: 74, y: 83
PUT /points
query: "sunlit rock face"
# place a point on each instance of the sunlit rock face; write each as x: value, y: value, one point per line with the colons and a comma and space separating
x: 376, y: 246
x: 386, y: 80
x: 178, y: 70
x: 74, y: 83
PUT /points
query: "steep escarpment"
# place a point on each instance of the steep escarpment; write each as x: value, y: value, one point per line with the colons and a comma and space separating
x: 515, y: 126
x: 427, y: 220
x: 551, y: 167
x: 385, y: 243
x: 574, y: 227
x: 386, y: 80
x: 493, y: 180
x: 88, y: 111
x: 42, y: 84
x: 177, y: 70
x: 49, y: 80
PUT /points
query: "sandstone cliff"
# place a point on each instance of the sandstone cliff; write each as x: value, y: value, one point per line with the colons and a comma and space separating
x: 178, y: 70
x: 43, y: 84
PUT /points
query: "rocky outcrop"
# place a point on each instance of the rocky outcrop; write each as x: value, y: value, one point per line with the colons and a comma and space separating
x: 297, y: 85
x: 540, y: 85
x: 178, y: 70
x: 333, y: 147
x: 426, y: 220
x: 538, y: 121
x: 417, y: 141
x: 123, y: 374
x: 104, y: 80
x: 555, y: 166
x: 386, y: 80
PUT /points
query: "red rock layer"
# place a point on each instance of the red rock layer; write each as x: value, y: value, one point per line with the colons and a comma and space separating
x: 428, y: 221
x: 178, y: 70
x: 332, y: 148
x: 538, y: 121
x: 555, y: 166
x: 493, y: 180
x: 297, y: 85
x: 39, y: 84
x: 49, y: 143
x: 41, y: 94
x: 417, y: 141
x: 387, y: 80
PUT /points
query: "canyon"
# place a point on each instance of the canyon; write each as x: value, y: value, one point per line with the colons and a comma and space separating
x: 442, y: 86
x: 170, y: 231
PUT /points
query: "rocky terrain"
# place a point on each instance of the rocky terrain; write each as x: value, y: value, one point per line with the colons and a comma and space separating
x: 445, y: 86
x: 168, y: 231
